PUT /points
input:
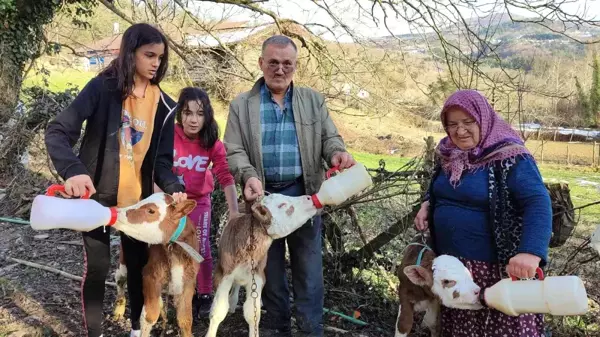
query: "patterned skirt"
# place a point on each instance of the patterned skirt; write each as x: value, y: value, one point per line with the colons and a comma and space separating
x: 488, y: 322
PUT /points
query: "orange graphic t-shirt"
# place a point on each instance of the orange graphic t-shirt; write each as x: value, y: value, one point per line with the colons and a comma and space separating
x: 135, y: 134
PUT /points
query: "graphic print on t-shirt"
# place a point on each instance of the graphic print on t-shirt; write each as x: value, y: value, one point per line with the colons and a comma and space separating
x: 134, y: 138
x: 182, y: 164
x: 178, y: 171
x: 132, y: 131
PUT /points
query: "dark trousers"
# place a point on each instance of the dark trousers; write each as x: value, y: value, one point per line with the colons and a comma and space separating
x: 307, y: 275
x: 96, y: 264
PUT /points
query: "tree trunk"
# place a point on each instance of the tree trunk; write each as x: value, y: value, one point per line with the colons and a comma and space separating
x: 11, y: 78
x: 367, y: 252
x: 334, y: 235
x: 563, y: 215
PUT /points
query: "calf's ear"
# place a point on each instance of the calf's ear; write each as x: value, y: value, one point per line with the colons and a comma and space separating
x: 419, y: 275
x: 261, y: 213
x: 183, y: 208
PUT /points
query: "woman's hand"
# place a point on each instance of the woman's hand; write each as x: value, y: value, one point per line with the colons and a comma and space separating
x: 421, y: 223
x: 523, y: 265
x: 179, y: 197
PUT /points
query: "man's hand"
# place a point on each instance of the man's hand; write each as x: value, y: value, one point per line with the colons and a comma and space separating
x: 179, y: 197
x: 253, y: 189
x: 78, y: 185
x: 342, y: 160
x: 523, y: 265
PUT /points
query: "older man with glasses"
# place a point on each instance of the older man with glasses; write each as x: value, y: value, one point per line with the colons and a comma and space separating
x: 277, y: 136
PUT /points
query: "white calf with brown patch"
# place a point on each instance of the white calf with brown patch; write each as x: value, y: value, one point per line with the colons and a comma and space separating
x: 173, y: 257
x: 274, y: 217
x: 425, y: 282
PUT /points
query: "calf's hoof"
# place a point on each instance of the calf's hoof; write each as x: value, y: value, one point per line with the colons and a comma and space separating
x: 119, y: 311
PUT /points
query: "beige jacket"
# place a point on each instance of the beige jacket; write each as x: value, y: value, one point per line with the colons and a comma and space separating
x: 318, y: 137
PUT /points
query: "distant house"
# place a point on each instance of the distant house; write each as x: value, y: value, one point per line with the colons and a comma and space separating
x: 210, y: 49
x: 243, y: 39
x: 231, y: 33
x: 226, y: 33
x: 101, y: 52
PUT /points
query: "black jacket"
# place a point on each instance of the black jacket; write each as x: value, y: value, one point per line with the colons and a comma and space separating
x: 99, y: 104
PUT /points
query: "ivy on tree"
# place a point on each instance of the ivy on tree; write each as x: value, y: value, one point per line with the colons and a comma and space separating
x: 23, y: 24
x: 589, y: 102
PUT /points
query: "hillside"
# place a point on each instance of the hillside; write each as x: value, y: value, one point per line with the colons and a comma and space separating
x: 512, y: 41
x: 405, y: 89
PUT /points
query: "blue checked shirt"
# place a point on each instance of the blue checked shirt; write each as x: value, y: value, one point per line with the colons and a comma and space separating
x: 281, y: 153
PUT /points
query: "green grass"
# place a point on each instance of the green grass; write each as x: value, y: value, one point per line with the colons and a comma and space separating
x: 60, y: 80
x: 580, y: 180
x: 370, y: 160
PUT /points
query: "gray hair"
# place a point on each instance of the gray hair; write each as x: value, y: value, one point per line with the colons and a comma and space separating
x: 279, y: 40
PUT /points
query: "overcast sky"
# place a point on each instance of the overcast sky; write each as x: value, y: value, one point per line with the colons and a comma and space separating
x: 350, y: 14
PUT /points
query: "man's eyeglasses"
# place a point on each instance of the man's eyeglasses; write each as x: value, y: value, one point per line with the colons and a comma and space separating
x: 274, y: 66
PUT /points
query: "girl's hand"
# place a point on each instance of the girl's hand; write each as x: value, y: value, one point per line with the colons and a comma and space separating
x: 421, y: 223
x: 179, y: 197
x: 233, y: 213
x: 523, y: 265
x: 78, y: 185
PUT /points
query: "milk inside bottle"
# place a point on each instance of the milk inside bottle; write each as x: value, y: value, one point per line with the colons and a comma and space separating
x: 342, y: 186
x: 50, y: 212
x: 555, y: 295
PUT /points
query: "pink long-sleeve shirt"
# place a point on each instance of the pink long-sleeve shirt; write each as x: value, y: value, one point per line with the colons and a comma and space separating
x: 191, y: 164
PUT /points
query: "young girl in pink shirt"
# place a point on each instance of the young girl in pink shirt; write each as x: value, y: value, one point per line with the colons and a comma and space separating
x: 196, y: 146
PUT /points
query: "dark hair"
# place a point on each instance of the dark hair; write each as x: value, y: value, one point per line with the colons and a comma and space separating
x: 279, y: 40
x: 123, y: 67
x: 209, y: 133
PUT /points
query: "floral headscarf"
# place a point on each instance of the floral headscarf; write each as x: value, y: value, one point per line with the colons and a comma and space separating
x: 498, y: 140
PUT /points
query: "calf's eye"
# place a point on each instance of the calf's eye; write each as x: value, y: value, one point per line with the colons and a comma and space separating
x: 151, y: 211
x: 448, y: 283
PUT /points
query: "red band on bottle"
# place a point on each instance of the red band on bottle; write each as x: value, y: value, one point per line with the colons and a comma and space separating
x: 538, y: 271
x: 316, y: 201
x: 113, y: 216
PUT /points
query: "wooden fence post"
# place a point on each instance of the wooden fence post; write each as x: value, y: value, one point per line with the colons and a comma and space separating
x: 594, y: 154
x: 542, y: 151
x: 568, y: 155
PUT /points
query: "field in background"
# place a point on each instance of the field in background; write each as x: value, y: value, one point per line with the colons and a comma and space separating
x: 371, y: 138
x: 61, y: 79
x: 564, y: 153
x: 384, y: 134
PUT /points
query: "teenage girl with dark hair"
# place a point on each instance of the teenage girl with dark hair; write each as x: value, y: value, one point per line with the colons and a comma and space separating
x: 197, y: 145
x: 126, y: 147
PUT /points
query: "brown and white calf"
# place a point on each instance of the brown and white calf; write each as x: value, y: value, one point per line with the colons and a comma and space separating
x: 154, y: 220
x: 274, y: 217
x: 443, y: 279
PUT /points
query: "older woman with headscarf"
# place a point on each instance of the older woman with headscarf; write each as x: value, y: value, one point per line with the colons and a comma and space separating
x: 488, y: 206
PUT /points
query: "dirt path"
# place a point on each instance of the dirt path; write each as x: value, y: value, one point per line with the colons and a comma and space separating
x: 39, y: 303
